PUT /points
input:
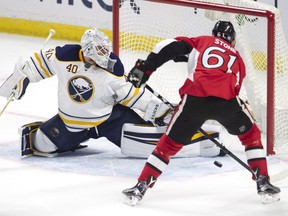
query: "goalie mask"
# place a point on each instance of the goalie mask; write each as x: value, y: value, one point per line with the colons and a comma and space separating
x: 224, y: 30
x: 96, y: 45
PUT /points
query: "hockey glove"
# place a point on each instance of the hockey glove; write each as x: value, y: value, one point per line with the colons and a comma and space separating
x: 139, y: 74
x: 15, y: 84
x: 158, y: 112
x: 20, y: 88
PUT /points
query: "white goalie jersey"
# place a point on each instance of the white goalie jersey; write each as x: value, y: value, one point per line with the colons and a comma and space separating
x: 85, y: 96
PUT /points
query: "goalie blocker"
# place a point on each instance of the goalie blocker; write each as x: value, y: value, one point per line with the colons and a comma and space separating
x: 140, y: 141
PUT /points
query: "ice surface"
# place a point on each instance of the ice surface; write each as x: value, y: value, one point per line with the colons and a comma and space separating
x: 89, y: 181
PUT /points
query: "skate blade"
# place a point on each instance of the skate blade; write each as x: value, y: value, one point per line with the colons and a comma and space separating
x: 44, y: 154
x: 26, y: 156
x: 129, y: 200
x: 269, y: 198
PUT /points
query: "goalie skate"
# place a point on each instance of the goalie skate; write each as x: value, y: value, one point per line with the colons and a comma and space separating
x: 268, y: 192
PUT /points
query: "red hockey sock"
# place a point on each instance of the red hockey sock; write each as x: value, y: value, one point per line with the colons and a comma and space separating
x: 160, y: 158
x: 255, y: 153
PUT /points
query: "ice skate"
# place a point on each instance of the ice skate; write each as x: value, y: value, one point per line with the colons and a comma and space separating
x: 133, y: 195
x: 268, y: 192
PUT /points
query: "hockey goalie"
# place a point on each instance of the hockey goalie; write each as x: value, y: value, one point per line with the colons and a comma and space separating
x: 94, y: 100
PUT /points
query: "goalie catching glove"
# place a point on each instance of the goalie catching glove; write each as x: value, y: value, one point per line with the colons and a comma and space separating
x: 16, y: 83
x: 139, y: 74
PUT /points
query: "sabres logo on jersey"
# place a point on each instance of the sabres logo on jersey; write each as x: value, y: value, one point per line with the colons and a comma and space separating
x: 80, y: 89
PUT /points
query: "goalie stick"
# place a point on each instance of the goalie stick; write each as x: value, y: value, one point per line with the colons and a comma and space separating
x: 11, y: 97
x: 220, y: 145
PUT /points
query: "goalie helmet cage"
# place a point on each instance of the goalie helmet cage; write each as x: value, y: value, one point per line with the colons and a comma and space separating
x: 139, y: 25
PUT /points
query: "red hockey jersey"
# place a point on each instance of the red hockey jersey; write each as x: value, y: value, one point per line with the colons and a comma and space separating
x: 215, y: 68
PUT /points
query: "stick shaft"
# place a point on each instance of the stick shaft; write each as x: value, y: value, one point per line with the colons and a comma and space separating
x: 50, y: 35
x: 227, y: 151
x: 7, y: 103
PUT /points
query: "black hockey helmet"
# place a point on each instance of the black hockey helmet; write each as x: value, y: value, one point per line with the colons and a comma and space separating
x: 224, y: 30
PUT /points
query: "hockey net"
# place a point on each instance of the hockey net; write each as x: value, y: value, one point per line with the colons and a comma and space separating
x: 139, y: 25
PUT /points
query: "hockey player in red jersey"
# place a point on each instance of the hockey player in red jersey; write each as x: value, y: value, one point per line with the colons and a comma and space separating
x: 215, y: 75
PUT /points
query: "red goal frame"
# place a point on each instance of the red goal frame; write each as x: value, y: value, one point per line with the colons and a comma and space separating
x: 270, y: 16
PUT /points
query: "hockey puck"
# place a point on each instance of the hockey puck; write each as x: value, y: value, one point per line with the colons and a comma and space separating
x: 218, y: 164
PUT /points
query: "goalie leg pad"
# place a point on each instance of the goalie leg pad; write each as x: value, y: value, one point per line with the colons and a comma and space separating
x: 140, y: 140
x: 208, y: 149
x: 28, y: 141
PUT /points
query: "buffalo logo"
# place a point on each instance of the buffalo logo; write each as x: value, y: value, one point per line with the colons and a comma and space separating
x: 80, y: 89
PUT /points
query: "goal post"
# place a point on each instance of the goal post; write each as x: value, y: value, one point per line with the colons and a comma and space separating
x: 139, y: 25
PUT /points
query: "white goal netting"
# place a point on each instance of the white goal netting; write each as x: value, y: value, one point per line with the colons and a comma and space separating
x: 144, y: 23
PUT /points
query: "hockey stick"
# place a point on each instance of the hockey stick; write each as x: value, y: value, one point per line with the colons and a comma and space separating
x: 50, y: 35
x: 227, y: 151
x: 220, y: 145
x: 11, y: 97
x: 160, y: 97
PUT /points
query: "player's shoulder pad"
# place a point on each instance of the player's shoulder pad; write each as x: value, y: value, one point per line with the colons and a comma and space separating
x: 69, y: 52
x: 117, y: 67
